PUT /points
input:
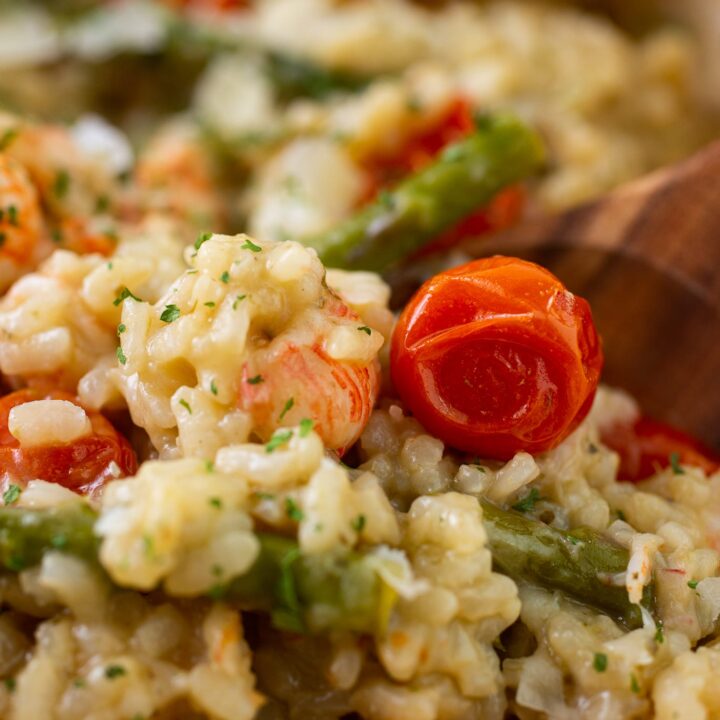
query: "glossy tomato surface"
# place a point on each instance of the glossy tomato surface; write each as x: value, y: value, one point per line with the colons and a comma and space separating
x: 83, y: 465
x: 497, y: 356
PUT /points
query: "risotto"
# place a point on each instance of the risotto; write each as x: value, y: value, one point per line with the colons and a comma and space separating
x: 238, y: 482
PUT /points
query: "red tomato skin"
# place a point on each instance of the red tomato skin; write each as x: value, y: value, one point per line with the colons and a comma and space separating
x: 647, y: 445
x: 83, y: 465
x: 495, y: 357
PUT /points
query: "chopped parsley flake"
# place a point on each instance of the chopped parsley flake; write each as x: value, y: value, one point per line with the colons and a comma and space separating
x: 359, y: 523
x: 10, y: 684
x: 78, y: 683
x: 170, y: 313
x: 3, y: 237
x: 255, y: 380
x: 121, y: 355
x: 7, y: 137
x: 209, y: 466
x: 11, y: 494
x: 124, y: 295
x: 203, y: 237
x: 12, y: 213
x: 692, y: 584
x: 215, y: 502
x: 237, y: 300
x: 114, y: 671
x: 286, y: 409
x: 280, y: 437
x: 225, y: 277
x: 675, y: 464
x: 250, y: 245
x: 528, y: 502
x: 62, y: 184
x: 659, y: 635
x: 121, y: 328
x: 600, y: 662
x: 209, y: 304
x: 365, y: 329
x: 213, y: 387
x: 264, y: 495
x: 634, y: 685
x: 185, y: 404
x: 293, y: 511
x: 306, y: 425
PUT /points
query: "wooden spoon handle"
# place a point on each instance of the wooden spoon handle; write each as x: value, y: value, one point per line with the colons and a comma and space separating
x: 647, y: 258
x: 669, y: 219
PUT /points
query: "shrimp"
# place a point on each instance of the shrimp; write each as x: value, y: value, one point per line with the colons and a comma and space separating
x: 24, y: 241
x: 249, y: 341
x: 301, y: 379
x: 75, y: 190
x: 175, y: 175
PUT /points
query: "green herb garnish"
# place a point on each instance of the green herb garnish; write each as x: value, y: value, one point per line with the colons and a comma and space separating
x: 527, y: 504
x: 600, y: 662
x: 675, y: 463
x: 170, y: 313
x: 12, y: 494
x: 293, y: 511
x: 279, y: 438
x: 306, y: 425
x: 286, y: 409
x: 250, y: 245
x: 124, y: 295
x: 114, y: 671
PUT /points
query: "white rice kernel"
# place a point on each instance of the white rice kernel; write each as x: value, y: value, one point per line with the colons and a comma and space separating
x: 48, y: 422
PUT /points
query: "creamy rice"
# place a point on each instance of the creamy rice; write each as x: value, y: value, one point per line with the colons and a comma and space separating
x: 253, y: 383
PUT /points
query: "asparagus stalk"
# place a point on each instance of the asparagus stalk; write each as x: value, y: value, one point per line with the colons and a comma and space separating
x: 580, y: 563
x: 337, y: 591
x: 314, y: 592
x: 466, y: 176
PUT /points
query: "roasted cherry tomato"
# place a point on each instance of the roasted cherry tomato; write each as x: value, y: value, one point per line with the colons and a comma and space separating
x: 83, y: 465
x: 648, y: 446
x: 385, y: 170
x: 497, y: 356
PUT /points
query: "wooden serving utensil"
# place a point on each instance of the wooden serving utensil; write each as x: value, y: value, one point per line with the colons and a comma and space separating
x: 647, y: 258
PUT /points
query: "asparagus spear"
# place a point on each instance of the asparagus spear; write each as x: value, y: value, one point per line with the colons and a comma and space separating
x: 343, y: 591
x: 579, y: 563
x: 317, y: 592
x: 466, y: 176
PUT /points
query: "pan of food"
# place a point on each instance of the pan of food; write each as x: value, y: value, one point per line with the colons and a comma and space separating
x: 359, y: 360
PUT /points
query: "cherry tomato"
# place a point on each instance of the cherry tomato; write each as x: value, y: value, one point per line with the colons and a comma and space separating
x: 497, y: 356
x: 648, y: 446
x: 420, y: 150
x: 219, y: 6
x: 83, y: 465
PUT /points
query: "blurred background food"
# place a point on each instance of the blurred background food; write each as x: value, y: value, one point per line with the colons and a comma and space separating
x: 278, y: 96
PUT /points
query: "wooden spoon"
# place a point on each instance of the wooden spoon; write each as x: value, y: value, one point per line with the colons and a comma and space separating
x: 647, y: 258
